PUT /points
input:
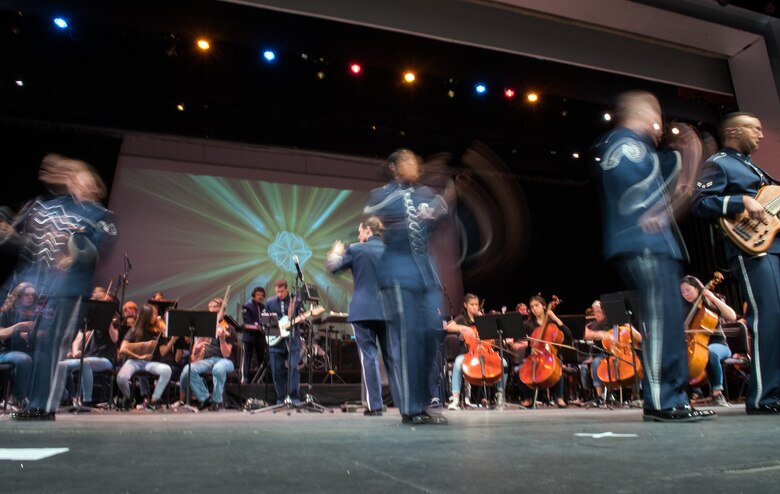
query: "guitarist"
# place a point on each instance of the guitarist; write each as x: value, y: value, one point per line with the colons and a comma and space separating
x: 286, y: 381
x: 728, y: 185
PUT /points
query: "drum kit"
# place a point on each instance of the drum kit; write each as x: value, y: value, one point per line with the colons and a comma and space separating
x: 326, y: 338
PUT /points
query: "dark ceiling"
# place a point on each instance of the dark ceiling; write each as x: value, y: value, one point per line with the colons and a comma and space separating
x: 127, y: 65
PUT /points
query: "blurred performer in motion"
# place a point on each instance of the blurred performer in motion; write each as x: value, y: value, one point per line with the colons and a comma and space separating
x: 365, y: 310
x: 728, y: 185
x: 58, y: 237
x: 639, y: 199
x: 216, y: 359
x: 17, y: 320
x: 252, y: 340
x: 409, y: 282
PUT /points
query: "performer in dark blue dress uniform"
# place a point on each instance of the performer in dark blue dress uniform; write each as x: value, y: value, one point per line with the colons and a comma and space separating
x: 409, y: 282
x: 286, y: 384
x: 634, y: 182
x: 728, y: 185
x: 365, y: 310
x: 59, y: 237
x: 252, y: 340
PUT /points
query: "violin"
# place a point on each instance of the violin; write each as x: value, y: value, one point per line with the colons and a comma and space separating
x: 481, y: 365
x: 543, y: 368
x: 619, y: 369
x: 700, y: 324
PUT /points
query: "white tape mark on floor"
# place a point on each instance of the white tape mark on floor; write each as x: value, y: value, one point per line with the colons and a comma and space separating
x: 599, y: 435
x: 29, y: 454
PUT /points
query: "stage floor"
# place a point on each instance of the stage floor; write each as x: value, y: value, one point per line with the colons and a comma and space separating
x: 545, y: 450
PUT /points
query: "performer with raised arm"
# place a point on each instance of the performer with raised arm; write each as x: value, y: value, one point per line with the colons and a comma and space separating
x: 732, y: 184
x: 635, y: 182
x: 409, y: 281
x: 365, y: 310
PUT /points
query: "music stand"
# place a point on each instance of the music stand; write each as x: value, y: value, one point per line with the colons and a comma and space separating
x: 310, y: 293
x: 190, y: 323
x: 97, y: 316
x: 624, y: 308
x: 497, y: 327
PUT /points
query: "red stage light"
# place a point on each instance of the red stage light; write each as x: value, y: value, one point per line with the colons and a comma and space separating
x: 355, y: 68
x: 509, y: 93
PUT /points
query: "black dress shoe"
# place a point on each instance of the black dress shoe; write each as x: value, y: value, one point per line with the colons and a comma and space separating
x: 423, y: 418
x: 768, y: 409
x: 205, y: 404
x: 681, y: 414
x: 372, y: 413
x: 33, y: 414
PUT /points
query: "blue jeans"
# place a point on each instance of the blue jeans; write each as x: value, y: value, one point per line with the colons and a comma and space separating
x: 219, y: 368
x: 91, y: 364
x: 22, y: 372
x: 163, y: 371
x: 718, y: 352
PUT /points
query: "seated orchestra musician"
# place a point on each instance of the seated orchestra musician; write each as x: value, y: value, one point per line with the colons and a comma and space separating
x: 464, y: 325
x: 211, y: 355
x: 16, y: 324
x: 691, y: 289
x: 126, y: 320
x: 137, y: 350
x: 99, y: 356
x: 538, y: 308
x: 597, y: 331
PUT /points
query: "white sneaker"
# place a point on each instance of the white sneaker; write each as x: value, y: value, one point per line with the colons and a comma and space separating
x: 467, y: 402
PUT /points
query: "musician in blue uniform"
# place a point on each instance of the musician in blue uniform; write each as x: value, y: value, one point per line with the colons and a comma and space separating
x: 365, y: 310
x: 58, y: 237
x: 635, y: 182
x: 728, y: 185
x: 409, y: 282
x: 253, y: 341
x: 286, y: 381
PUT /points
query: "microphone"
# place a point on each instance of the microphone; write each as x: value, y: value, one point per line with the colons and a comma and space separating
x: 297, y: 267
x: 127, y: 260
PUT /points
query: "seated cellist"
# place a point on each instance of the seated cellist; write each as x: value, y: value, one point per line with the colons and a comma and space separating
x: 464, y: 325
x: 691, y: 289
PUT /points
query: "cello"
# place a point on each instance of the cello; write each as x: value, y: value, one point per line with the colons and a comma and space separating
x: 481, y: 365
x: 622, y: 366
x: 542, y: 368
x: 700, y: 324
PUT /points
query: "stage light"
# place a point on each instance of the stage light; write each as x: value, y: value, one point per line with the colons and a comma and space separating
x: 607, y: 117
x: 269, y: 55
x: 451, y: 93
x: 532, y: 97
x: 320, y: 75
x: 656, y: 126
x: 180, y: 107
x: 509, y: 93
x: 355, y: 68
x: 675, y: 130
x: 409, y: 77
x: 20, y: 83
x: 203, y: 44
x: 480, y: 88
x: 575, y: 155
x: 60, y: 22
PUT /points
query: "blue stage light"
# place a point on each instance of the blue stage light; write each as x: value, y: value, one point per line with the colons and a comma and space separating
x: 60, y: 22
x: 269, y: 55
x: 480, y: 88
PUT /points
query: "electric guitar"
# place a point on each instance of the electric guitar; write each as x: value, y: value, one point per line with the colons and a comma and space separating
x: 755, y: 236
x: 285, y: 324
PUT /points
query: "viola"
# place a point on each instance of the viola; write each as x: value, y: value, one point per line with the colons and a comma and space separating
x: 621, y: 367
x: 481, y: 365
x: 700, y: 324
x: 542, y: 368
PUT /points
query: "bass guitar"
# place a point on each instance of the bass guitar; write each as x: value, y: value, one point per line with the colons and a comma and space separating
x: 285, y: 324
x: 755, y: 236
